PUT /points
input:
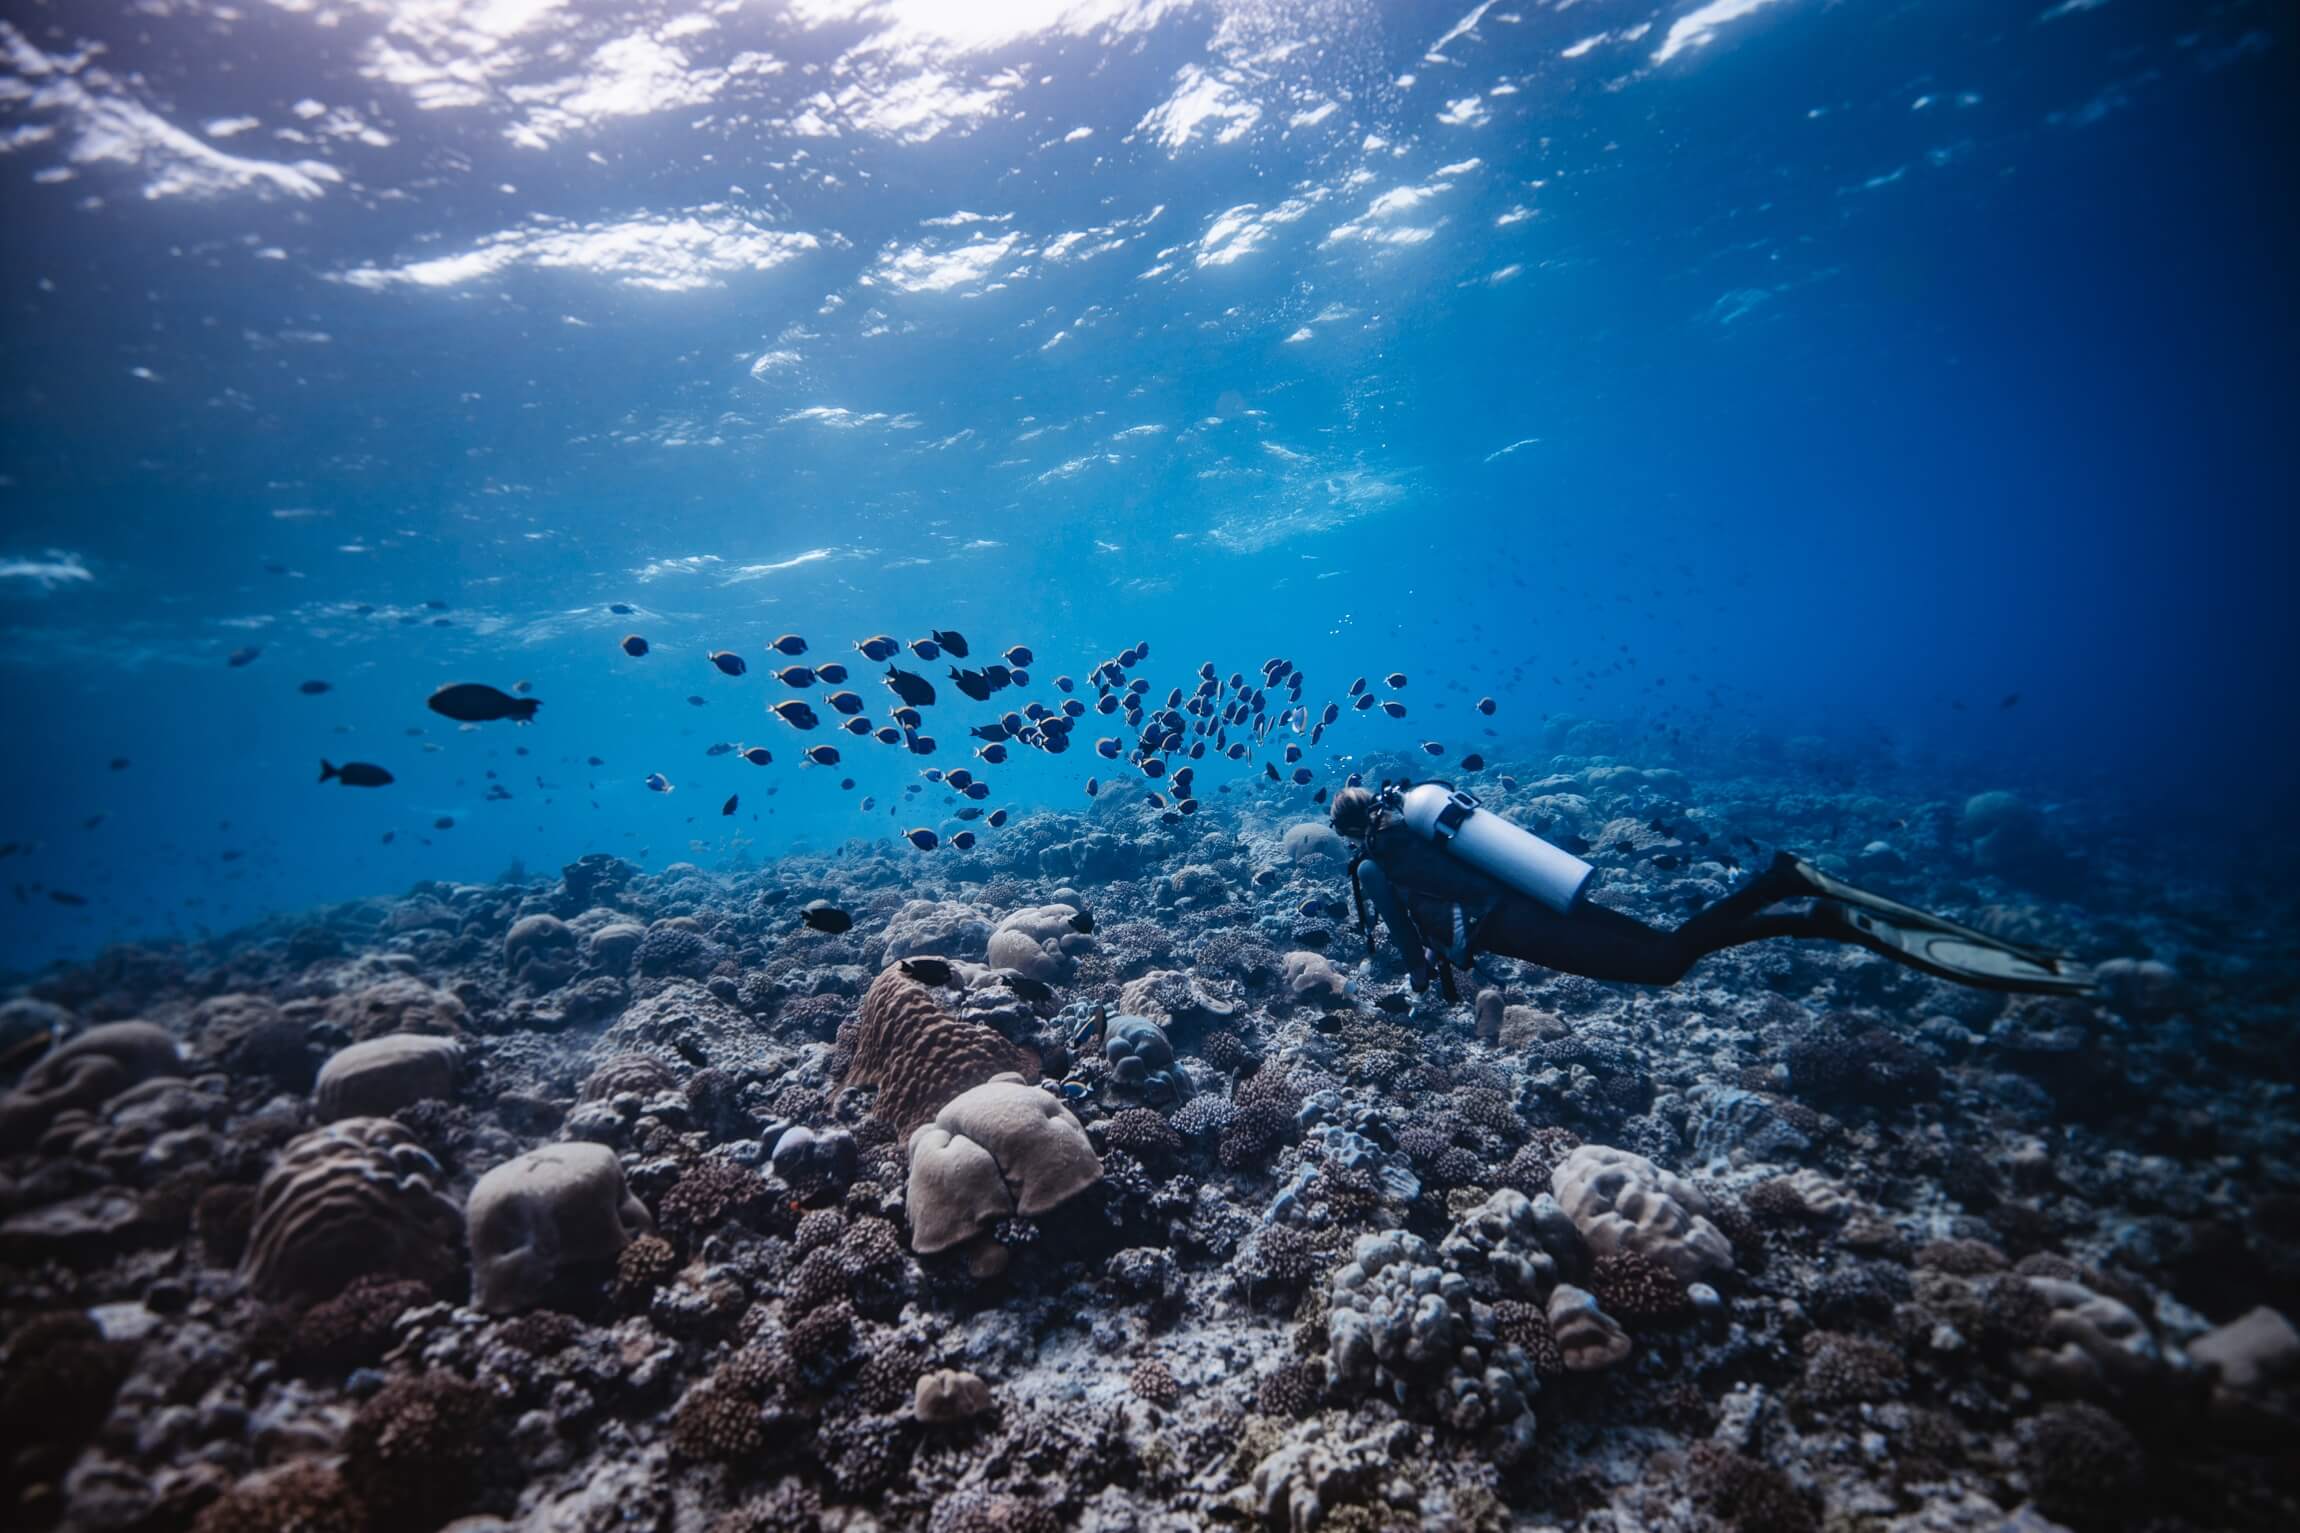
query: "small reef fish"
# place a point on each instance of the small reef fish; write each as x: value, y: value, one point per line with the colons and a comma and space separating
x: 475, y: 702
x: 354, y: 774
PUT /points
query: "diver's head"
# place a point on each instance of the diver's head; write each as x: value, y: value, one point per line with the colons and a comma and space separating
x: 1353, y: 812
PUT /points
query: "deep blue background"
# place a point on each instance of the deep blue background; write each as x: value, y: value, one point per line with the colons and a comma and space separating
x: 2016, y: 420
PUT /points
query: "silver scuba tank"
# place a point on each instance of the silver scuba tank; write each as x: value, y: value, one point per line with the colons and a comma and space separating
x: 1494, y: 846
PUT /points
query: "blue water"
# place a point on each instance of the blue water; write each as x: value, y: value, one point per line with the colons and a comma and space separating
x: 1833, y: 371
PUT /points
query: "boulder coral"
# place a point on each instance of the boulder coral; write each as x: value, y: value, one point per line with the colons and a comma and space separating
x: 542, y: 952
x: 998, y: 1150
x: 529, y: 1219
x: 378, y: 1077
x: 1041, y: 941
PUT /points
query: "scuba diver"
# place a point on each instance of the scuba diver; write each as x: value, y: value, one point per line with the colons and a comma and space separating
x: 1452, y: 880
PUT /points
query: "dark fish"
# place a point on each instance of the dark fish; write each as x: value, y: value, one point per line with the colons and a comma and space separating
x: 951, y: 640
x: 926, y: 649
x: 1018, y: 656
x: 1271, y: 767
x: 886, y: 734
x: 822, y: 755
x: 997, y: 818
x: 1093, y: 786
x: 973, y: 683
x: 1355, y: 687
x: 1365, y: 701
x: 67, y: 897
x: 354, y: 774
x: 523, y: 687
x: 845, y: 702
x: 1485, y: 706
x: 695, y: 700
x: 963, y: 841
x: 913, y: 689
x: 1394, y: 710
x: 390, y: 836
x: 823, y: 916
x: 831, y: 675
x: 444, y: 822
x: 926, y: 970
x: 658, y: 783
x: 596, y: 760
x: 1303, y: 777
x: 1065, y: 684
x: 2010, y: 698
x: 315, y: 688
x: 1508, y: 783
x: 1665, y: 860
x: 1432, y: 748
x: 994, y: 754
x: 621, y: 608
x: 878, y: 647
x: 1473, y: 762
x: 922, y: 838
x: 795, y: 713
x: 1036, y: 991
x: 728, y: 662
x: 1318, y: 797
x: 789, y: 644
x: 633, y: 645
x: 242, y: 656
x: 796, y: 676
x: 908, y: 718
x: 733, y: 799
x: 858, y: 725
x: 920, y: 745
x: 719, y: 749
x: 475, y: 702
x: 119, y: 763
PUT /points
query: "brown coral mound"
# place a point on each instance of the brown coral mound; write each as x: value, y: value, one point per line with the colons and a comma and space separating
x: 918, y: 1055
x: 419, y: 1452
x: 1153, y: 1381
x: 1634, y: 1287
x: 304, y: 1497
x: 355, y: 1327
x: 1745, y: 1495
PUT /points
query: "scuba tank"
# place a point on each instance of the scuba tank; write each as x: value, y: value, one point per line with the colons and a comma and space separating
x: 1492, y: 845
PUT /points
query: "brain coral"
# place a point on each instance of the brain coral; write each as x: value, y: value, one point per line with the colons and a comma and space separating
x: 1623, y: 1202
x: 355, y: 1198
x: 917, y: 1054
x: 382, y: 1075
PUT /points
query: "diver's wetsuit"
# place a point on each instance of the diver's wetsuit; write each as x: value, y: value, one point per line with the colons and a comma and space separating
x: 1456, y: 911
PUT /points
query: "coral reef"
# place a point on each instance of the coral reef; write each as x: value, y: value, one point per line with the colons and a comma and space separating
x: 625, y: 1199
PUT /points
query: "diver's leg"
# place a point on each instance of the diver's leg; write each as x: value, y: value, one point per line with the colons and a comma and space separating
x: 1589, y: 940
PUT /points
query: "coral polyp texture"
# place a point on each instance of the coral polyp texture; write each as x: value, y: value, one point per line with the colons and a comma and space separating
x: 628, y: 1199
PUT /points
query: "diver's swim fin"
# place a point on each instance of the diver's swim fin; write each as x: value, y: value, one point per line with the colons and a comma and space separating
x: 1949, y: 951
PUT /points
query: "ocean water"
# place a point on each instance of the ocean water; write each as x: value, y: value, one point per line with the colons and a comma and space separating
x: 1917, y: 379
